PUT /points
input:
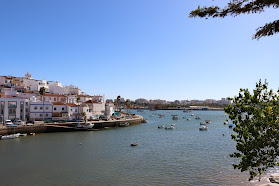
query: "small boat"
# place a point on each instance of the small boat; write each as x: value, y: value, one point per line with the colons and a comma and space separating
x: 145, y: 121
x: 188, y: 119
x: 192, y: 114
x: 169, y: 128
x: 226, y: 122
x: 86, y: 125
x: 161, y: 126
x: 22, y: 134
x: 172, y: 125
x: 202, y: 123
x: 175, y: 117
x: 134, y: 144
x: 124, y: 124
x: 231, y: 125
x: 203, y: 128
x: 151, y: 116
x: 11, y: 136
x: 207, y: 121
x: 197, y: 117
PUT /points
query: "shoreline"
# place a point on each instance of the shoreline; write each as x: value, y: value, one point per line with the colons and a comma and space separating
x: 67, y: 127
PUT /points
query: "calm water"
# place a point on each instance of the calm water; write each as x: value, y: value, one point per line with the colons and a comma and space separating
x: 183, y: 156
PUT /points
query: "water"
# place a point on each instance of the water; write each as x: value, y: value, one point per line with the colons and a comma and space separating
x: 183, y: 156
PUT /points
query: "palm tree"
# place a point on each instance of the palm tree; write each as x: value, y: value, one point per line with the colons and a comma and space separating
x: 83, y: 114
x: 127, y: 103
x: 117, y: 102
x: 78, y: 101
x: 43, y: 92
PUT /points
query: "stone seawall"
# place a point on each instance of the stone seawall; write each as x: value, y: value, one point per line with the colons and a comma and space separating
x: 65, y: 127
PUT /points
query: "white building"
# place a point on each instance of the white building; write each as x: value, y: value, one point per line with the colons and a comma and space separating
x: 33, y: 85
x: 40, y: 110
x: 13, y: 108
x: 59, y: 111
x: 73, y: 111
x: 109, y: 109
x: 72, y: 90
x: 56, y: 88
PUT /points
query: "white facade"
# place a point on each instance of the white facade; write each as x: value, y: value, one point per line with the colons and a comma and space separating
x: 12, y: 108
x: 40, y: 110
x: 73, y: 111
x: 109, y: 109
x: 56, y: 88
x: 59, y: 111
x: 72, y: 90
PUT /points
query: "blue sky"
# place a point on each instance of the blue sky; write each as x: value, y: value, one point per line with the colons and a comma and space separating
x: 136, y: 48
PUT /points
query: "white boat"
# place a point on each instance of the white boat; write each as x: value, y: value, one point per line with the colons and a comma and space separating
x: 202, y: 123
x: 226, y: 122
x: 197, y: 117
x: 207, y: 121
x: 169, y: 128
x: 11, y: 136
x: 86, y: 125
x: 188, y: 119
x: 192, y: 114
x: 203, y: 128
x: 161, y: 126
x: 145, y: 121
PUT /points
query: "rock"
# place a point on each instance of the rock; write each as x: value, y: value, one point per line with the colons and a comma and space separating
x: 274, y: 179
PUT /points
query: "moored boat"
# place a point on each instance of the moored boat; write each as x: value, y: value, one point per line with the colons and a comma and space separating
x: 203, y: 128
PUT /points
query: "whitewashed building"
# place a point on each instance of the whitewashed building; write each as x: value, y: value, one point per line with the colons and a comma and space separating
x: 59, y: 111
x: 13, y: 108
x: 40, y: 110
x: 73, y: 111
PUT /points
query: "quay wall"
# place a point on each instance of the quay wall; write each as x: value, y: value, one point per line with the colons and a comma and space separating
x: 65, y: 127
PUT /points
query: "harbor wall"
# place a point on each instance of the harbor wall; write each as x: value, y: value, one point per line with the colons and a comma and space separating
x: 65, y: 127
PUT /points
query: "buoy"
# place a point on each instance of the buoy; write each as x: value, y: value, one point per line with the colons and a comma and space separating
x: 223, y: 134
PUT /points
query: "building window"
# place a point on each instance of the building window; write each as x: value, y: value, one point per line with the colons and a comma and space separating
x: 12, y: 105
x: 54, y: 99
x: 46, y: 115
x: 46, y: 108
x: 41, y: 108
x: 71, y: 109
x: 26, y: 103
x: 62, y: 108
x: 75, y: 110
x: 35, y: 108
x: 41, y: 115
x: 54, y: 108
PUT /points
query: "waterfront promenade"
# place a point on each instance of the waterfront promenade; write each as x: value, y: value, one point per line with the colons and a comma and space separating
x: 67, y: 126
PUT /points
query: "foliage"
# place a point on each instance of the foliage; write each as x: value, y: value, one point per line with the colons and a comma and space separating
x: 257, y: 139
x: 42, y: 91
x: 237, y: 7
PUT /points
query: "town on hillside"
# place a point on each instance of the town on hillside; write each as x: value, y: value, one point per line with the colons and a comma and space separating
x: 27, y: 99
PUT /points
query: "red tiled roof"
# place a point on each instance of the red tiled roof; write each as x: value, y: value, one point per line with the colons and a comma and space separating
x: 71, y: 105
x: 54, y: 95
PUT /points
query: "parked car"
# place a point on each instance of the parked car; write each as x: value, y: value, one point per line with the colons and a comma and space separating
x: 19, y: 122
x: 9, y: 123
x: 103, y: 117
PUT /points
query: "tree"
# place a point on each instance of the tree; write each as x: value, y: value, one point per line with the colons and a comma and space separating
x: 78, y: 103
x: 127, y: 103
x: 117, y: 102
x: 256, y: 116
x: 237, y: 7
x: 43, y: 92
x: 83, y: 114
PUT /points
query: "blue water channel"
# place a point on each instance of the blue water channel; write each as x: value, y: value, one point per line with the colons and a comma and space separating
x: 183, y: 156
